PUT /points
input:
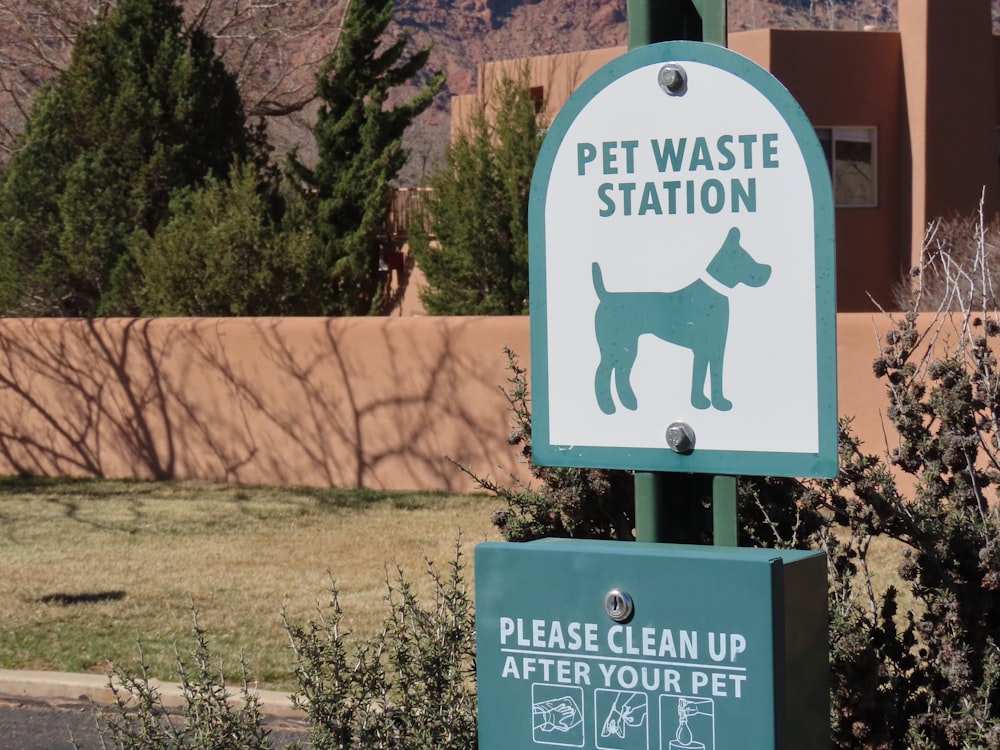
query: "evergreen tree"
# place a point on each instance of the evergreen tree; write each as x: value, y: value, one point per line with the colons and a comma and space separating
x: 224, y: 251
x: 143, y: 109
x: 359, y: 137
x: 477, y: 263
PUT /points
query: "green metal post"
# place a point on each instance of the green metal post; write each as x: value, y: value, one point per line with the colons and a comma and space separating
x: 652, y: 522
x: 651, y: 21
x: 724, y: 511
x: 672, y: 507
x: 668, y: 507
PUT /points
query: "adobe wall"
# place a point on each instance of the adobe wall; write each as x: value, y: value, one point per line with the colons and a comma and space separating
x: 850, y: 79
x: 372, y: 402
x: 557, y: 76
x: 950, y: 88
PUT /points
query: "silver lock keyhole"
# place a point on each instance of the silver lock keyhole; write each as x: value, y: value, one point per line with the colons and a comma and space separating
x: 618, y: 605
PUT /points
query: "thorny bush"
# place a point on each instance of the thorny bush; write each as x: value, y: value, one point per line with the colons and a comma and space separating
x: 567, y: 502
x: 210, y: 719
x: 411, y: 688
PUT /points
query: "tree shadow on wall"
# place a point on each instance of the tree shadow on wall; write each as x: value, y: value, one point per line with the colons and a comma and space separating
x: 334, y: 402
x: 361, y: 402
x: 69, y: 388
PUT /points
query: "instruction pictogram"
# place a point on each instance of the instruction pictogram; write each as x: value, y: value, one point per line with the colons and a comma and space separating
x: 557, y: 715
x: 622, y: 718
x: 693, y: 727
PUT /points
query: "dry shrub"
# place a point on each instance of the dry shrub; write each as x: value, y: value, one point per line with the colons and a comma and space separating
x: 959, y: 267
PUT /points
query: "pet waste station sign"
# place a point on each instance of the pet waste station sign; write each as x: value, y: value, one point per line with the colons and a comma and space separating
x: 682, y: 273
x: 682, y: 320
x: 615, y: 646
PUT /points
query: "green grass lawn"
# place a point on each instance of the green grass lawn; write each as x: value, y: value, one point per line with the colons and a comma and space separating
x: 93, y: 567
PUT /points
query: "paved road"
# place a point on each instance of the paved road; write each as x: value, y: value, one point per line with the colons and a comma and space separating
x: 29, y: 724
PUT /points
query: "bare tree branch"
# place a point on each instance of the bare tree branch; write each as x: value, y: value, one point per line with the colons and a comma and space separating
x: 273, y: 46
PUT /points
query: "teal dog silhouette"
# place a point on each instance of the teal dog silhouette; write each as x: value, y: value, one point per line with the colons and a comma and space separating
x: 695, y: 317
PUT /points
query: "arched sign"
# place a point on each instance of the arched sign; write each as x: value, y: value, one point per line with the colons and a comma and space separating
x: 682, y: 273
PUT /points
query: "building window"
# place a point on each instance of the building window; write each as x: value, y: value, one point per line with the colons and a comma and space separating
x: 850, y: 154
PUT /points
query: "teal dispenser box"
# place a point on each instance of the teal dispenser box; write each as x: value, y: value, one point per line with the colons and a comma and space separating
x: 630, y: 646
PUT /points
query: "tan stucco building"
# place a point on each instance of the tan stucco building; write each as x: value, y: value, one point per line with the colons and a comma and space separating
x: 909, y: 121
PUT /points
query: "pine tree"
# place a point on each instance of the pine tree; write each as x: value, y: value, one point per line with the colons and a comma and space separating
x: 143, y: 109
x: 477, y: 263
x: 224, y: 251
x: 359, y: 138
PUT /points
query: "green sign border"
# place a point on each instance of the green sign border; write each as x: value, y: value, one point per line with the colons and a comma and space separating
x: 754, y: 463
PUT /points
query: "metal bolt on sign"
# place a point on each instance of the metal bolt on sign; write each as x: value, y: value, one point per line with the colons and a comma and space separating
x: 680, y: 437
x: 673, y: 79
x: 618, y: 605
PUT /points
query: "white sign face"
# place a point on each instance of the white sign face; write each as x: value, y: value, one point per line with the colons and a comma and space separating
x: 682, y: 272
